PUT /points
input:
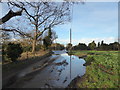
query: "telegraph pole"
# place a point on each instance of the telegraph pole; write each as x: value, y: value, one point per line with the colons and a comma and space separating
x: 70, y: 53
x: 70, y: 36
x: 71, y: 40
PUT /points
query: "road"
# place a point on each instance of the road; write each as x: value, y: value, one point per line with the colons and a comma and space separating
x: 0, y: 68
x: 59, y: 73
x: 0, y: 56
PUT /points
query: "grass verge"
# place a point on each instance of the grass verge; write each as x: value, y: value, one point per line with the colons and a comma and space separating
x: 103, y: 72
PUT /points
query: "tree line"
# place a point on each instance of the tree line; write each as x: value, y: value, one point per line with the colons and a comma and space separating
x: 93, y: 46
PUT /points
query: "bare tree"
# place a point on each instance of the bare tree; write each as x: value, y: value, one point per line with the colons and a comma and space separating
x: 43, y: 15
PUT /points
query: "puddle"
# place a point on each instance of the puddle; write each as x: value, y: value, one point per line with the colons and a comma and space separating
x: 59, y: 73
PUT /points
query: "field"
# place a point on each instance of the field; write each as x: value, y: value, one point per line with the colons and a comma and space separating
x: 102, y: 71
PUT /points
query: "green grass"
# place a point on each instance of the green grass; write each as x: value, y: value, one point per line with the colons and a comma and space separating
x: 103, y: 71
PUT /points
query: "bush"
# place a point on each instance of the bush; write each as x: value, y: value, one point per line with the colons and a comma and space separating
x: 4, y: 56
x: 13, y: 51
x: 38, y: 47
x: 27, y: 48
x: 90, y: 58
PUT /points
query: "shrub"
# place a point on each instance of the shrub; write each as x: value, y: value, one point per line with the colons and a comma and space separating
x: 13, y: 51
x: 27, y: 48
x: 4, y: 56
x: 38, y: 47
x: 88, y: 60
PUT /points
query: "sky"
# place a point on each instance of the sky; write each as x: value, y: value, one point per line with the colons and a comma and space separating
x: 90, y: 21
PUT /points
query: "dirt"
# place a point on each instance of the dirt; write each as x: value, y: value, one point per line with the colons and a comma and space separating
x: 74, y: 82
x: 31, y: 75
x: 104, y: 69
x: 81, y: 55
x: 87, y: 63
x: 9, y: 73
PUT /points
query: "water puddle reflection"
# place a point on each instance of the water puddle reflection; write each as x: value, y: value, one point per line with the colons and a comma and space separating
x: 59, y: 73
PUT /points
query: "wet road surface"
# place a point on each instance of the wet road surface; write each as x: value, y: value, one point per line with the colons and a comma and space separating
x: 0, y: 68
x: 57, y: 74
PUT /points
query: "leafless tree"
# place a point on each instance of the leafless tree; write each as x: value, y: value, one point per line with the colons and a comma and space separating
x: 42, y: 16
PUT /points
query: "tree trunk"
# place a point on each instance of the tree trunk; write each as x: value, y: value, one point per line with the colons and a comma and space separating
x: 35, y: 35
x: 33, y: 46
x: 34, y: 41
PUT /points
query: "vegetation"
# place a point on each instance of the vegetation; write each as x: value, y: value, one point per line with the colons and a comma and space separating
x: 45, y: 15
x: 69, y: 46
x: 23, y: 62
x: 80, y: 46
x: 93, y: 46
x: 89, y: 60
x: 35, y: 31
x: 57, y: 46
x: 103, y: 70
x: 47, y: 41
x: 13, y: 51
x: 27, y: 48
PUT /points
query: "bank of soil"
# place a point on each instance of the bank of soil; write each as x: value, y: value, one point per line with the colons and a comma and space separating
x: 11, y: 69
x: 30, y: 72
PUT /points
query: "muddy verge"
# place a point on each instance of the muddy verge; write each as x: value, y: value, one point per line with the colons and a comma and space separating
x: 30, y: 75
x: 9, y: 76
x: 89, y: 60
x: 74, y: 82
x: 81, y: 56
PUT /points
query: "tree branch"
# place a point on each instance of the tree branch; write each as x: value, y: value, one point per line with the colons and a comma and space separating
x: 9, y: 15
x: 21, y: 7
x: 18, y: 31
x: 39, y: 34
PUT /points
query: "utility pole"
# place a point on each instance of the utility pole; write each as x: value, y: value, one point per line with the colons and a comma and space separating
x: 71, y: 40
x: 70, y: 51
x: 70, y: 36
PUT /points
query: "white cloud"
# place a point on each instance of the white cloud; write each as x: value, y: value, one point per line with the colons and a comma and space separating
x: 13, y: 39
x: 106, y: 40
x: 87, y: 40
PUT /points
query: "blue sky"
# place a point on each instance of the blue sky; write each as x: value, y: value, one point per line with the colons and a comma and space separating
x: 91, y: 21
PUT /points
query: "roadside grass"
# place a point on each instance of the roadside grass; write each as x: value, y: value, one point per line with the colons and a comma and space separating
x: 27, y: 56
x: 23, y: 61
x: 102, y: 72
